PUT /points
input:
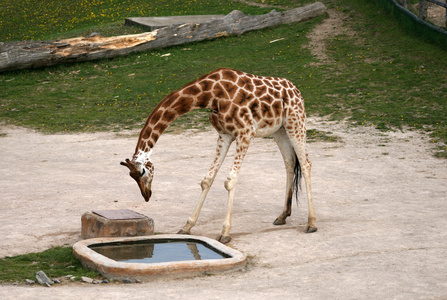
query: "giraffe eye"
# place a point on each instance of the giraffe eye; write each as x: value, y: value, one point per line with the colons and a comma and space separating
x: 142, y: 172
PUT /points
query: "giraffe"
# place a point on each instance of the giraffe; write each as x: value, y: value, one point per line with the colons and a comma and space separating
x: 242, y: 106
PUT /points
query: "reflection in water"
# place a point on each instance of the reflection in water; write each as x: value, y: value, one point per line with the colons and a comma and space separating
x: 157, y: 251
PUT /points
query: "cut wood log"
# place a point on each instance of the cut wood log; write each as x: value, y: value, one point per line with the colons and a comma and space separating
x: 30, y: 54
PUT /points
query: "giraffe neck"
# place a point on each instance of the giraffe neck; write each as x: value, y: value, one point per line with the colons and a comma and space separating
x: 167, y: 111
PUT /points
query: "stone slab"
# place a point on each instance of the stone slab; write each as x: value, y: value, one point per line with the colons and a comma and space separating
x: 119, y: 214
x: 152, y: 23
x: 94, y: 225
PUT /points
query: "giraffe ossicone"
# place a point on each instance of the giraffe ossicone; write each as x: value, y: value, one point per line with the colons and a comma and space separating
x: 241, y: 106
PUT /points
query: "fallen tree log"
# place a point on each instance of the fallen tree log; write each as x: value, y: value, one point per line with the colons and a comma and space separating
x: 30, y: 54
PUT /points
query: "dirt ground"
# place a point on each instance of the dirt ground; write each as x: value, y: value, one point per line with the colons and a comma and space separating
x: 380, y: 200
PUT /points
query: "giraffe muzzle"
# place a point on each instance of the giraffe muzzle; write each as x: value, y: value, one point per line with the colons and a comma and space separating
x: 146, y: 195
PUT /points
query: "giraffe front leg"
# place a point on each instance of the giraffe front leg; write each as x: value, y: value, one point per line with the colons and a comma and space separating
x: 230, y: 184
x: 192, y: 220
x: 242, y: 143
x: 223, y: 144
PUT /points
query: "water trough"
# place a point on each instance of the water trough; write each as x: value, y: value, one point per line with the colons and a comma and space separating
x: 145, y: 257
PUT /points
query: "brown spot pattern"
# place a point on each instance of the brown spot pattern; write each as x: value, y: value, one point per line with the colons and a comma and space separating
x: 231, y: 89
x: 224, y: 106
x: 260, y: 91
x: 219, y: 91
x: 229, y: 75
x: 206, y: 85
x: 204, y: 99
x: 192, y: 90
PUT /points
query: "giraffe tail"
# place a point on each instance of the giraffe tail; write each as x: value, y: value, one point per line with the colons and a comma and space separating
x: 297, y: 179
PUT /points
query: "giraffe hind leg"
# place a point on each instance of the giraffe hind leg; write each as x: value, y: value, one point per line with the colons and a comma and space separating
x: 289, y: 157
x: 299, y: 145
x: 310, y: 226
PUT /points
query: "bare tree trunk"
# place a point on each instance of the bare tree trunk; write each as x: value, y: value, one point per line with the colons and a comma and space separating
x: 23, y: 55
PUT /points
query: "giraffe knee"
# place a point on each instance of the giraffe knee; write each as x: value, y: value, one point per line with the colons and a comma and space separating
x: 230, y: 183
x: 206, y: 183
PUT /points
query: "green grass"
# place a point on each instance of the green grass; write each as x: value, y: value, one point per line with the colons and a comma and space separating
x: 55, y: 262
x: 378, y: 74
x: 315, y: 135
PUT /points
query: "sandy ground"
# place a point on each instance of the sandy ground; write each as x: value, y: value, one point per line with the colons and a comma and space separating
x: 380, y: 200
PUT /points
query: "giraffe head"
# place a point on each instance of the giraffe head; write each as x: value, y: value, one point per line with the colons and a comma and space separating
x: 142, y: 174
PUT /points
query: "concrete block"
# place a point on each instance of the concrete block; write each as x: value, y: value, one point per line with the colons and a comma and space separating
x: 115, y: 223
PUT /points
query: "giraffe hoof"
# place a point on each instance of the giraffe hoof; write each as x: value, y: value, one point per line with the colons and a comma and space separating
x: 183, y: 232
x: 224, y: 239
x: 310, y: 229
x: 279, y: 221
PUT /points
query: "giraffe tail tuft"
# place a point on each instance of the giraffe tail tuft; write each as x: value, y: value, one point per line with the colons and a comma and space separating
x: 297, y: 179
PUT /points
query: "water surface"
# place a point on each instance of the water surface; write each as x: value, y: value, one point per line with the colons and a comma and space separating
x: 156, y: 251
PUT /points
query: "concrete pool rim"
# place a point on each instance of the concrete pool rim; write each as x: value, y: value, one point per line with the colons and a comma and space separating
x: 116, y: 270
